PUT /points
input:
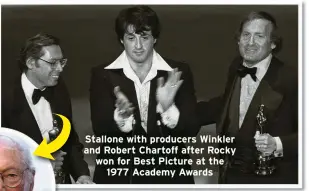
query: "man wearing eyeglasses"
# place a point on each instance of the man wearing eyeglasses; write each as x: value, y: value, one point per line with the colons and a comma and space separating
x: 28, y: 106
x: 16, y: 168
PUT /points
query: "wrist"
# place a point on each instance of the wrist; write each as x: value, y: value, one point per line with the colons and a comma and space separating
x: 165, y: 106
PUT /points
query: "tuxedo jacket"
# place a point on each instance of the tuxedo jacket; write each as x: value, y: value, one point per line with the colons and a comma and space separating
x: 102, y: 102
x: 278, y: 91
x: 16, y: 114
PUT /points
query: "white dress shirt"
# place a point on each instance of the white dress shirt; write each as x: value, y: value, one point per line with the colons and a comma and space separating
x: 169, y: 117
x: 41, y: 111
x: 248, y: 89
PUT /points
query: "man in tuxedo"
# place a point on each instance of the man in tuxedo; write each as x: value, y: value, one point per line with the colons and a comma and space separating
x: 16, y: 167
x: 29, y: 104
x: 257, y: 78
x: 135, y: 95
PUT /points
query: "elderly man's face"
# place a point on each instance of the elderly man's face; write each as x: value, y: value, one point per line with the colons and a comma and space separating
x: 138, y: 47
x: 255, y: 41
x: 44, y: 74
x: 11, y: 169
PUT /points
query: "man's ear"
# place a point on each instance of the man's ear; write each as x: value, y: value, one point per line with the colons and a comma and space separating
x: 121, y: 41
x: 273, y: 46
x: 155, y: 41
x: 30, y: 62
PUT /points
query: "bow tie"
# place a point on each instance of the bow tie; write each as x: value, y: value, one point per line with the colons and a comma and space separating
x: 37, y: 94
x: 243, y: 71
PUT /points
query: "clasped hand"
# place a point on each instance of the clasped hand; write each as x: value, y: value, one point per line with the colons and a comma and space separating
x: 165, y: 94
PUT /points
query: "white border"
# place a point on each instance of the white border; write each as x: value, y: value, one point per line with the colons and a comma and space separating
x: 152, y: 2
x: 300, y: 95
x: 44, y: 175
x: 213, y: 2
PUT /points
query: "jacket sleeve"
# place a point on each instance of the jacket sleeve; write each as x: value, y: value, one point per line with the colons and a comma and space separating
x: 74, y: 148
x: 102, y: 107
x: 5, y: 111
x: 290, y: 141
x: 209, y: 112
x: 185, y: 101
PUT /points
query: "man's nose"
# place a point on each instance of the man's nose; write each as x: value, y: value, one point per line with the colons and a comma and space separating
x: 138, y: 43
x: 251, y: 40
x: 59, y: 67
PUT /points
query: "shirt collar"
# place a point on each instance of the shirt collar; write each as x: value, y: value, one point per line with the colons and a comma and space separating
x: 122, y: 62
x: 27, y: 86
x: 261, y: 66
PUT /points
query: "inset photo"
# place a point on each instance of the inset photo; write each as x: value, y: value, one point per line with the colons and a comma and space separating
x: 20, y: 170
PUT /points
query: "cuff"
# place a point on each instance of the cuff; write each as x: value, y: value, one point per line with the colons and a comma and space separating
x: 124, y: 124
x: 279, y: 150
x: 170, y: 117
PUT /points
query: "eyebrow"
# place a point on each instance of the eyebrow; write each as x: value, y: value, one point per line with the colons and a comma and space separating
x: 143, y: 33
x: 263, y: 33
x: 56, y: 59
x: 10, y: 168
x: 260, y: 33
x: 129, y: 33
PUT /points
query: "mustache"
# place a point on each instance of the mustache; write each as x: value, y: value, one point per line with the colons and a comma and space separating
x: 251, y: 47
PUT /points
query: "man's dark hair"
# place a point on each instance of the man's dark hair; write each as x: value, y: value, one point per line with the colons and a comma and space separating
x: 142, y: 18
x: 275, y: 38
x: 33, y: 48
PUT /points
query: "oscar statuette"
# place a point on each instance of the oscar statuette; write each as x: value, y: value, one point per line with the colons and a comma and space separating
x: 53, y: 134
x: 264, y: 161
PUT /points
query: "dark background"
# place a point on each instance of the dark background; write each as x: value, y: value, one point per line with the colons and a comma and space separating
x: 200, y: 35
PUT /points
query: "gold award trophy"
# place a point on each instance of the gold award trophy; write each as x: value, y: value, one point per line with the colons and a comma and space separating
x: 264, y: 162
x: 53, y: 134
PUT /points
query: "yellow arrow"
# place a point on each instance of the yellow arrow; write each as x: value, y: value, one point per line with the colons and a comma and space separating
x: 45, y: 150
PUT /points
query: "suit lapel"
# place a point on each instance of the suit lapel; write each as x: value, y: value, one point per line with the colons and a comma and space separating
x: 224, y: 120
x: 152, y: 128
x: 127, y: 87
x: 23, y: 116
x: 266, y: 95
x: 56, y: 107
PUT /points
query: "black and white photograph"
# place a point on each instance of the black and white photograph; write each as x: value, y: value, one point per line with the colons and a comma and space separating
x: 171, y: 95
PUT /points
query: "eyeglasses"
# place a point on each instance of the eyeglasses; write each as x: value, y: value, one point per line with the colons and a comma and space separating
x: 53, y: 64
x: 12, y: 177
